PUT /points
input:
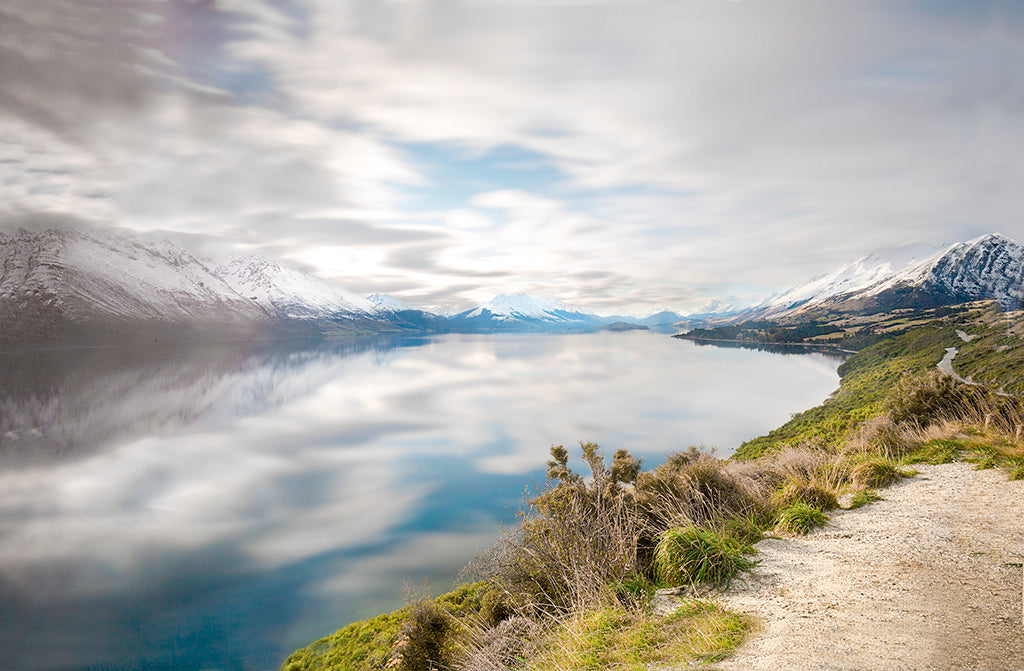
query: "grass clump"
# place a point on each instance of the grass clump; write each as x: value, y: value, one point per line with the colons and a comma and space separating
x: 801, y: 519
x: 690, y: 555
x: 864, y: 497
x: 876, y: 472
x: 936, y: 451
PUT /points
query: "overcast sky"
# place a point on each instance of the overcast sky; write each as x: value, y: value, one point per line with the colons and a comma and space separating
x: 620, y: 155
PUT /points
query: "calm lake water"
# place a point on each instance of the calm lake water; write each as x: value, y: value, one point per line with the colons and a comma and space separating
x: 218, y: 507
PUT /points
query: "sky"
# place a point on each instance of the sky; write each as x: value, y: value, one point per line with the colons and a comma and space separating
x: 624, y: 156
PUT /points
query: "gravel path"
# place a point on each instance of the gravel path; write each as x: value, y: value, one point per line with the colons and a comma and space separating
x: 929, y: 578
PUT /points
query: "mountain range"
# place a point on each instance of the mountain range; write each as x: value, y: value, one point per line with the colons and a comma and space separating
x: 63, y: 287
x: 73, y: 287
x: 990, y: 267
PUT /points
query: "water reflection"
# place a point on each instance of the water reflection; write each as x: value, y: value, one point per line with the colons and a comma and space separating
x: 214, y: 508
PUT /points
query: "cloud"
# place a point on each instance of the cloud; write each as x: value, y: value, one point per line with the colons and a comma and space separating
x: 683, y: 146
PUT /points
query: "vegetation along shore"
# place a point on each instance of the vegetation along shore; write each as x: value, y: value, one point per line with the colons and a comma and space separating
x: 626, y: 568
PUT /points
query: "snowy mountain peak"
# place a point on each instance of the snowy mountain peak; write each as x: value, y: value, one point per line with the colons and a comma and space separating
x: 387, y: 303
x: 289, y: 292
x: 521, y: 311
x: 853, y: 276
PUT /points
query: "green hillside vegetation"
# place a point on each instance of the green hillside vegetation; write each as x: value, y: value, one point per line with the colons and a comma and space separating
x: 571, y: 587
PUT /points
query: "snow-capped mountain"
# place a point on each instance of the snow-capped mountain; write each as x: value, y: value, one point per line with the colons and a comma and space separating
x: 405, y: 316
x: 289, y: 293
x: 523, y: 312
x: 988, y: 267
x: 853, y: 276
x: 62, y: 285
x: 387, y: 303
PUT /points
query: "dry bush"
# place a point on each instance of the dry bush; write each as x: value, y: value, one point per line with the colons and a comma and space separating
x: 502, y: 647
x: 692, y: 488
x: 881, y: 436
x: 808, y: 474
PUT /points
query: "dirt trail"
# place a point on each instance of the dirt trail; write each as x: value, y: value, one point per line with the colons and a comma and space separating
x: 929, y: 578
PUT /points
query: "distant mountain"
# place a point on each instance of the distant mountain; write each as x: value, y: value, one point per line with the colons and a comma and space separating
x: 990, y: 267
x: 74, y: 287
x: 399, y: 313
x: 520, y: 312
x: 60, y: 286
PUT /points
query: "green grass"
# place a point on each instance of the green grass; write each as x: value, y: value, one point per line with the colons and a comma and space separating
x: 801, y: 519
x: 690, y: 555
x: 936, y: 451
x: 863, y: 498
x: 877, y: 472
x: 620, y: 640
x: 867, y: 378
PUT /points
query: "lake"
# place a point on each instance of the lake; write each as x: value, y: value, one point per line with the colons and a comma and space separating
x: 217, y: 507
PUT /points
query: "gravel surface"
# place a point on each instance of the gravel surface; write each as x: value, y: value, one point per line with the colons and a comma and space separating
x: 929, y: 578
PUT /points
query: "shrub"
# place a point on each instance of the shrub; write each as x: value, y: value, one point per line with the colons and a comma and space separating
x: 694, y: 555
x: 424, y: 645
x: 922, y: 399
x: 576, y: 539
x: 692, y: 488
x: 800, y: 519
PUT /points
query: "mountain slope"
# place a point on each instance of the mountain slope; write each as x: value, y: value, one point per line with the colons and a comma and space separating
x: 291, y: 294
x: 59, y: 286
x: 990, y: 267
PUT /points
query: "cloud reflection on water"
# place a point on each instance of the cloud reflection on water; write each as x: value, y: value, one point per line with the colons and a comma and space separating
x: 321, y: 476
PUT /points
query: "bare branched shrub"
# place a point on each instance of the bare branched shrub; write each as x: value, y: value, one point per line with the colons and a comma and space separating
x: 575, y: 540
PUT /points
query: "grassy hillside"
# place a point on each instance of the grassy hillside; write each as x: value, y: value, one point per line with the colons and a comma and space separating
x: 572, y: 588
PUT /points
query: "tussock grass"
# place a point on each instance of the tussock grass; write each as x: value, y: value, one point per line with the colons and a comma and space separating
x: 876, y: 472
x: 690, y: 555
x: 801, y: 519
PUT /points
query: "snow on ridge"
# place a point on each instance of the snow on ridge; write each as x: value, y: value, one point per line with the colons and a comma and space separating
x: 116, y: 274
x: 854, y: 276
x: 510, y: 306
x: 387, y: 303
x: 288, y: 291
